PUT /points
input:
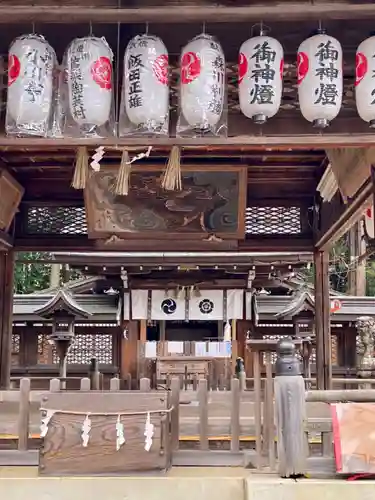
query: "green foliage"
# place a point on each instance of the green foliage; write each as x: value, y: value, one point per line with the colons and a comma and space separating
x: 370, y: 279
x: 31, y: 277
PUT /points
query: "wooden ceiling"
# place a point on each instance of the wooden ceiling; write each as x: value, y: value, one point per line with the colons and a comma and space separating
x: 47, y: 174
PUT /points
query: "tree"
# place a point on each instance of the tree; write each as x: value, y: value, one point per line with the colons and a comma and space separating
x: 31, y: 276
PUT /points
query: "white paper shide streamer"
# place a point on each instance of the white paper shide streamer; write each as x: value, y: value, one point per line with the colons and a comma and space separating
x: 86, y: 428
x: 145, y: 106
x: 89, y: 75
x: 149, y: 433
x: 320, y: 79
x: 261, y: 65
x: 202, y: 86
x: 31, y: 63
x: 120, y: 437
x: 364, y: 80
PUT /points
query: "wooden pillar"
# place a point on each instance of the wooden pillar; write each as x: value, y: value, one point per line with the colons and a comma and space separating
x: 322, y: 321
x: 357, y: 275
x: 129, y: 351
x: 6, y: 313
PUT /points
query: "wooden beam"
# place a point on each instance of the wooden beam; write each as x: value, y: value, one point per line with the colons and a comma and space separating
x: 349, y: 216
x: 6, y: 241
x: 6, y: 308
x: 188, y: 14
x: 322, y: 321
x: 351, y: 167
x: 261, y: 141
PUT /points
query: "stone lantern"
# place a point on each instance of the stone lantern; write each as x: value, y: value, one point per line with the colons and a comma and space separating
x: 63, y: 311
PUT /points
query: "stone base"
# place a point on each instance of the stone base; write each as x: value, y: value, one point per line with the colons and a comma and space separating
x: 180, y: 484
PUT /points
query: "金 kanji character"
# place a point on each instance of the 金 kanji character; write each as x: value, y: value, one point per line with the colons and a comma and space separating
x: 263, y: 53
x: 327, y: 94
x: 262, y: 94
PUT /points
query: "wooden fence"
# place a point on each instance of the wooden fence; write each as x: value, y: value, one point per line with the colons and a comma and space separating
x: 208, y: 428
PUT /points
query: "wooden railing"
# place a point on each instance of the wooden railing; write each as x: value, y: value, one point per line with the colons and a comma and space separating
x: 222, y: 428
x: 225, y: 422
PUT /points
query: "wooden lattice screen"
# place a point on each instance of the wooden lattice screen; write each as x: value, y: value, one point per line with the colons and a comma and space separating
x: 86, y: 346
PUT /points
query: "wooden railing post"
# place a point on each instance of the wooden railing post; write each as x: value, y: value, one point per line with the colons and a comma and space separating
x: 175, y: 417
x: 290, y: 411
x: 145, y: 385
x: 203, y: 414
x: 235, y: 415
x: 24, y: 414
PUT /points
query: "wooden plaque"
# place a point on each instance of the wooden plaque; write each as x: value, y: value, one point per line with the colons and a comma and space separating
x: 62, y: 451
x: 212, y: 202
x: 10, y: 197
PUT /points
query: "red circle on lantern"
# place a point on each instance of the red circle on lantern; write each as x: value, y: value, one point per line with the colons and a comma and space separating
x: 101, y: 71
x: 190, y: 67
x: 242, y: 66
x: 302, y: 66
x: 369, y: 212
x: 14, y: 69
x: 281, y: 68
x: 361, y: 67
x: 160, y: 68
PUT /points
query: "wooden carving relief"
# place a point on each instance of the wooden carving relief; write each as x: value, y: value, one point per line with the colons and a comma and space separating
x: 212, y: 202
x: 10, y: 197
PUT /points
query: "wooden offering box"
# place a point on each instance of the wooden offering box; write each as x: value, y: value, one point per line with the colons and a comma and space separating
x: 63, y: 452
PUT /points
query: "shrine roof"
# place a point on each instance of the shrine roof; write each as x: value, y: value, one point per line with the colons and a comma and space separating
x: 62, y: 301
x: 100, y: 308
x: 104, y: 308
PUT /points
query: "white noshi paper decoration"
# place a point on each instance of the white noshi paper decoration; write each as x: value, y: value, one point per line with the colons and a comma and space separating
x: 320, y: 79
x: 31, y: 63
x: 146, y: 83
x: 260, y: 77
x: 86, y: 428
x: 364, y: 80
x: 120, y: 437
x: 89, y: 76
x: 202, y: 82
x: 149, y: 433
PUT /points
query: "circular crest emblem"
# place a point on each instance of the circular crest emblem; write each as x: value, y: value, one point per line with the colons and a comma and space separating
x: 101, y: 71
x: 160, y: 68
x: 242, y: 67
x: 168, y: 306
x: 361, y: 67
x: 206, y: 306
x: 302, y: 66
x: 190, y: 67
x: 14, y: 69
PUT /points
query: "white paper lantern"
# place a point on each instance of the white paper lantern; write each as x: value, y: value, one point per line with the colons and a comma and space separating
x: 89, y: 77
x: 364, y: 80
x: 320, y: 79
x: 261, y: 65
x: 146, y: 78
x: 202, y: 76
x: 30, y: 83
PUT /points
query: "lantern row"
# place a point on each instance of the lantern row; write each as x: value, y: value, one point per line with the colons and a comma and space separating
x: 76, y: 99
